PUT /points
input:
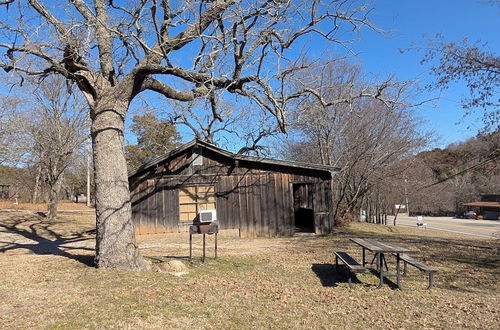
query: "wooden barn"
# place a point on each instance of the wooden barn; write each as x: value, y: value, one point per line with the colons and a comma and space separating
x: 255, y: 196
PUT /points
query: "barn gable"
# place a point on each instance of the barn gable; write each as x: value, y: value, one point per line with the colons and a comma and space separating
x: 257, y: 196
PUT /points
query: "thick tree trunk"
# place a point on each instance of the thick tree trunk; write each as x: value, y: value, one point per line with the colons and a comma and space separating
x: 37, y: 184
x: 115, y: 242
x: 55, y: 188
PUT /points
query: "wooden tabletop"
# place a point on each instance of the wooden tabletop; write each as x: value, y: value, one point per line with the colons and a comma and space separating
x: 380, y: 247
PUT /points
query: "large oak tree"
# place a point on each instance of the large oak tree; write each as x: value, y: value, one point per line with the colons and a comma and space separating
x: 115, y: 50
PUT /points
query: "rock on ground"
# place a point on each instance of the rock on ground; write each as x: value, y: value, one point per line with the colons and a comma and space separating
x: 175, y: 267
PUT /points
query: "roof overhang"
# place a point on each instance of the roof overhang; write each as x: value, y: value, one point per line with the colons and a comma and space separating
x: 238, y: 157
x: 483, y: 204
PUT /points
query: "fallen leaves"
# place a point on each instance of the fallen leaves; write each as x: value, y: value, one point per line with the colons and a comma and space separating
x: 255, y: 283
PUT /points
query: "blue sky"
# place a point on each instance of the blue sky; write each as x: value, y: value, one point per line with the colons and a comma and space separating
x: 412, y: 23
x: 408, y: 24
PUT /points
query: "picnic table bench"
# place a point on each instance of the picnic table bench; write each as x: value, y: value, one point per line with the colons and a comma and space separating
x: 380, y: 248
x: 419, y: 265
x: 352, y: 265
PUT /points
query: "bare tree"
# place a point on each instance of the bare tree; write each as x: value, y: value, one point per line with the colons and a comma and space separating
x: 229, y: 124
x: 58, y: 130
x: 364, y: 129
x: 477, y: 67
x: 114, y: 51
x: 202, y: 118
x: 13, y: 140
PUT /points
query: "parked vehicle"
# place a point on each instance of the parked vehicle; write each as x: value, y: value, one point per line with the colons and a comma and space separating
x: 470, y: 215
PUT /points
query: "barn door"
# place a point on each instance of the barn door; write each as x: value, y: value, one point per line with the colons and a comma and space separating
x: 303, y: 208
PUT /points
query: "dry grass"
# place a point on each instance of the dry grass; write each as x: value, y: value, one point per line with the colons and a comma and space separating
x: 256, y: 283
x: 63, y: 205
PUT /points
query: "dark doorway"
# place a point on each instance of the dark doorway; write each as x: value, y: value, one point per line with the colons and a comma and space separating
x: 303, y: 207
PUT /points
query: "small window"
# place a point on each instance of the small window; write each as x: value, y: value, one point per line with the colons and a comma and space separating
x: 193, y: 199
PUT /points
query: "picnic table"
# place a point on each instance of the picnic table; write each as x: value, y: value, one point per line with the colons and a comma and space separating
x: 380, y: 249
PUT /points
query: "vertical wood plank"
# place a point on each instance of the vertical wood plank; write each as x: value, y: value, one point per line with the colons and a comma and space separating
x: 271, y: 204
x: 223, y: 213
x: 264, y: 205
x: 235, y: 201
x: 244, y: 207
x: 135, y: 204
x: 172, y: 208
x: 288, y: 202
x: 139, y: 206
x: 162, y: 221
x: 280, y: 208
x: 257, y: 205
x: 152, y: 207
x: 250, y: 205
x: 241, y: 213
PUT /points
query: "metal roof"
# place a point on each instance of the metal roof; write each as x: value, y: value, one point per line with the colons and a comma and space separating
x: 484, y: 204
x: 253, y: 159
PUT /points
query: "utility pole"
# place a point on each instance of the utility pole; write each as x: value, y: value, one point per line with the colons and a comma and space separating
x: 406, y: 197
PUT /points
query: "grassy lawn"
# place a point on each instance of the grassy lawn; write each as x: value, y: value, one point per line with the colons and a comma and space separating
x: 46, y: 281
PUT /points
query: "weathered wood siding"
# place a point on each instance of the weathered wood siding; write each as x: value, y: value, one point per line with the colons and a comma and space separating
x: 257, y: 201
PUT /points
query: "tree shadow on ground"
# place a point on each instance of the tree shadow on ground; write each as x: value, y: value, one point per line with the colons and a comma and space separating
x: 329, y: 277
x: 46, y: 241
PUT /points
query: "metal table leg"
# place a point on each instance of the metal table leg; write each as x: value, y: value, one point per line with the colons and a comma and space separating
x: 398, y: 271
x: 380, y: 257
x: 385, y: 263
x: 431, y: 274
x: 364, y: 262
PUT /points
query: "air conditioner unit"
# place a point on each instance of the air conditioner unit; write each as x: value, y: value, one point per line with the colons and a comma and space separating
x: 205, y: 216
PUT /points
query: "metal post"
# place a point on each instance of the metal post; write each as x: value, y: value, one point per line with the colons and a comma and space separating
x: 215, y: 245
x: 406, y: 197
x: 190, y: 245
x: 203, y: 260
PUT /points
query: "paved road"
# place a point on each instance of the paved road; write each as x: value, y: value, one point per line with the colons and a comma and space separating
x: 483, y: 228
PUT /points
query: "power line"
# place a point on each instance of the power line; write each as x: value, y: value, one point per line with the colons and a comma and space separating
x: 494, y: 155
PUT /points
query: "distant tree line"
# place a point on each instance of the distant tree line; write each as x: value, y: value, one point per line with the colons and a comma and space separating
x: 441, y: 180
x: 42, y: 142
